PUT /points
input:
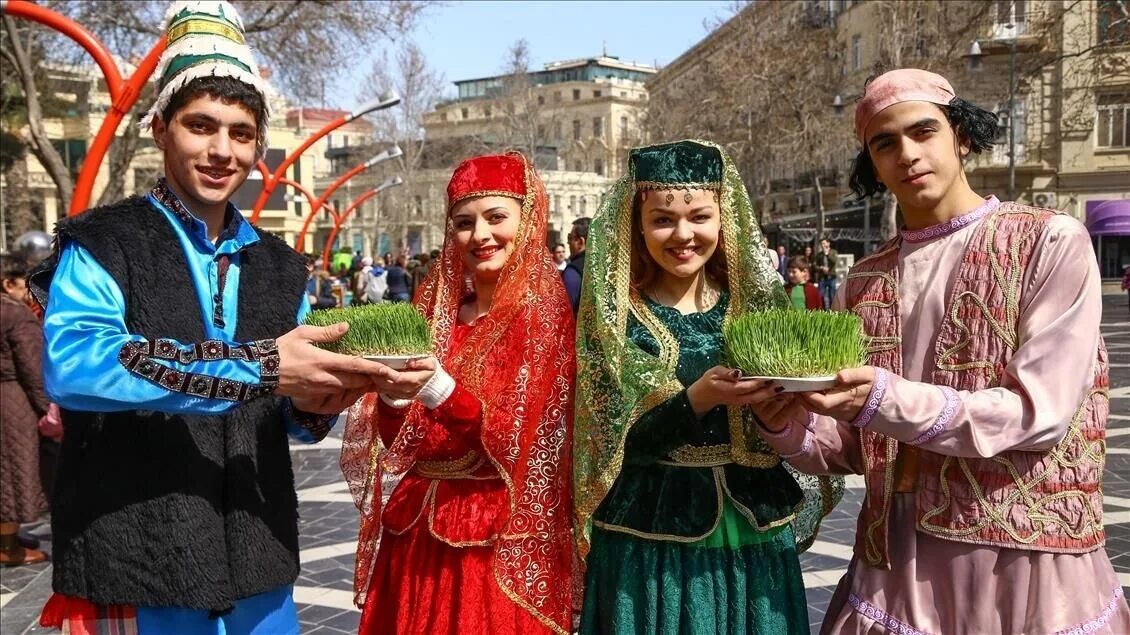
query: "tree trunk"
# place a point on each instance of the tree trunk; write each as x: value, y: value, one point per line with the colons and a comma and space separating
x: 39, y: 142
x: 18, y: 214
x: 121, y: 154
x: 887, y: 225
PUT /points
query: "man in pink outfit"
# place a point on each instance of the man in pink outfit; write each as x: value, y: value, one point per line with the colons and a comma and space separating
x: 979, y: 422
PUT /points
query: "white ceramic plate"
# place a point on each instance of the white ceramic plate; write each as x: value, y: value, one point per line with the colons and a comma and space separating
x: 395, y: 362
x: 801, y: 384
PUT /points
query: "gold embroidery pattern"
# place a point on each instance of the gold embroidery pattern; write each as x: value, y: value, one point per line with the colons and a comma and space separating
x: 457, y: 468
x: 1028, y: 489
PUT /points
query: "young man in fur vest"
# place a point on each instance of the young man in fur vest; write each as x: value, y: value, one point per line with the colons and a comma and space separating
x: 172, y: 347
x: 979, y: 422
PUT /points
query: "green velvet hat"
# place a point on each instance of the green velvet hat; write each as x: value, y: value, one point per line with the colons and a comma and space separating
x: 682, y: 165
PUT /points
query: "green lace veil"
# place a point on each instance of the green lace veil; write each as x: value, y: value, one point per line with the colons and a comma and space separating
x: 616, y: 380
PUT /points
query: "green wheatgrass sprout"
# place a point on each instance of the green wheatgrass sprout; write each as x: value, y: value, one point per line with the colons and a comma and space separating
x: 791, y: 343
x: 377, y: 329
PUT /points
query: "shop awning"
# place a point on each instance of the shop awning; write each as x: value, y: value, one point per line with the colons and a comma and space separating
x: 1109, y: 218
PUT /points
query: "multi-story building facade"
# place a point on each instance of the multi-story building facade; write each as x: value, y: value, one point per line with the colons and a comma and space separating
x: 1070, y: 64
x: 73, y: 129
x: 577, y: 118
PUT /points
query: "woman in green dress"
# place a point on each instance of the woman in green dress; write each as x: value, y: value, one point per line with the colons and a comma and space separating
x: 688, y: 523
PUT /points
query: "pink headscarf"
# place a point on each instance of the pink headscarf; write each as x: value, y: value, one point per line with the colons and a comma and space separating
x: 895, y: 87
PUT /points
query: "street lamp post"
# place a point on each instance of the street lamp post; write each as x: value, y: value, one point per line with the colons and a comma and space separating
x: 339, y: 221
x: 974, y: 59
x: 391, y: 153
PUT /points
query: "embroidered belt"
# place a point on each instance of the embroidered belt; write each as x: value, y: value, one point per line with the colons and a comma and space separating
x: 699, y: 456
x: 462, y: 467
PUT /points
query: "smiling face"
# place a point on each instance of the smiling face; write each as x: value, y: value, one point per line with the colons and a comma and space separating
x: 484, y: 230
x: 915, y: 153
x: 209, y: 148
x: 680, y: 235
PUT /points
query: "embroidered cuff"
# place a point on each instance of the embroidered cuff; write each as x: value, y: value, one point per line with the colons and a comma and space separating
x: 317, y: 425
x: 437, y: 390
x: 874, y: 399
x: 139, y: 359
x: 399, y: 404
x: 805, y: 446
x: 945, y: 417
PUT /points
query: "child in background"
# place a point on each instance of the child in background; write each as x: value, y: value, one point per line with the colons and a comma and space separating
x: 802, y: 293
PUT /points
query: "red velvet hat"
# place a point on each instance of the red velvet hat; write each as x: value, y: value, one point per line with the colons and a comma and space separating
x: 490, y: 175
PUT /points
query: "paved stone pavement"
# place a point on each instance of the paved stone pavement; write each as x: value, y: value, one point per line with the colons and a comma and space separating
x: 329, y: 522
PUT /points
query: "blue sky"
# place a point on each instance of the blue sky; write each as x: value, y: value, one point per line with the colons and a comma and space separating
x: 465, y: 40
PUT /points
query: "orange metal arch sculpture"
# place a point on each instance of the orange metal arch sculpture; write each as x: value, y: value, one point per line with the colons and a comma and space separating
x: 339, y: 222
x: 123, y: 93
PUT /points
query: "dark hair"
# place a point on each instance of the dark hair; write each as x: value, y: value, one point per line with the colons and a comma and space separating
x: 798, y: 262
x: 970, y: 122
x: 581, y: 227
x: 229, y: 90
x: 12, y: 267
x: 435, y: 254
x: 644, y: 269
x: 556, y: 245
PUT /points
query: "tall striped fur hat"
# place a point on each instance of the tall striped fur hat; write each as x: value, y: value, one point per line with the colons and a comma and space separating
x: 205, y: 38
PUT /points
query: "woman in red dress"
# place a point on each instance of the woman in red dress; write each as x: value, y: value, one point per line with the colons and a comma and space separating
x: 476, y: 536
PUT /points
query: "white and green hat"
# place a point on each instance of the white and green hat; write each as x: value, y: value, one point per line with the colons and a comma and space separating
x: 204, y: 39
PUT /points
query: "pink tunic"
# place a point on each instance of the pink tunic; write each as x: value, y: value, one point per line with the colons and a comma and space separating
x: 946, y: 587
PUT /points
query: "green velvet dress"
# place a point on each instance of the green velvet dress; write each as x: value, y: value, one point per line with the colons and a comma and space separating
x: 686, y: 541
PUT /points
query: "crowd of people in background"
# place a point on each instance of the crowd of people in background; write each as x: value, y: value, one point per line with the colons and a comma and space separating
x: 809, y: 279
x: 357, y: 279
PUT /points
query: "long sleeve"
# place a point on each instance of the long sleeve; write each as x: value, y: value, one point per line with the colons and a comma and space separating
x: 93, y: 363
x: 820, y: 445
x: 1043, y: 383
x: 459, y: 421
x: 26, y: 341
x: 658, y: 431
x: 572, y: 281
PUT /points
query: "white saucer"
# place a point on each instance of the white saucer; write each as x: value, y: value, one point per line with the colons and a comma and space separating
x: 395, y: 362
x: 800, y: 384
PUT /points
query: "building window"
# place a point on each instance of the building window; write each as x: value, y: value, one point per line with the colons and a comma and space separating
x: 576, y: 129
x: 598, y: 127
x: 596, y: 94
x: 556, y: 96
x: 1000, y: 148
x: 1113, y: 26
x: 466, y: 113
x: 598, y: 166
x: 583, y: 211
x: 1010, y: 18
x: 576, y: 94
x: 541, y: 131
x: 541, y: 100
x: 1113, y: 123
x: 578, y: 166
x: 856, y: 52
x: 557, y: 131
x: 556, y: 203
x: 486, y: 111
x: 572, y: 203
x: 623, y: 127
x: 418, y: 207
x: 624, y: 94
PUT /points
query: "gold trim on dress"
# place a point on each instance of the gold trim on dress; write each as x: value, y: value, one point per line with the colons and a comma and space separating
x: 463, y: 467
x: 671, y: 537
x: 481, y: 193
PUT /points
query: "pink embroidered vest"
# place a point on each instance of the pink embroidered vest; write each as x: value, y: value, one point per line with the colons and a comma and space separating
x: 1042, y: 501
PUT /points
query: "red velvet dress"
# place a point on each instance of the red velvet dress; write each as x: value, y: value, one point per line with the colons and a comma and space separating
x: 433, y: 572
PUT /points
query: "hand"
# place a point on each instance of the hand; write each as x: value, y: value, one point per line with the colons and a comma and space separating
x: 847, y: 398
x: 313, y: 299
x: 308, y: 372
x: 777, y: 413
x: 407, y: 382
x: 51, y: 424
x: 723, y: 386
x: 329, y: 404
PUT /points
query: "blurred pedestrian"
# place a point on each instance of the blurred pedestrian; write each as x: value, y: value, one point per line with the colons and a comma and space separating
x: 825, y: 264
x: 399, y: 284
x: 574, y: 272
x: 802, y: 293
x: 23, y: 403
x: 560, y: 257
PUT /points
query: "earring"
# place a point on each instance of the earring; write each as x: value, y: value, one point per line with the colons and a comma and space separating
x: 670, y: 198
x: 687, y: 197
